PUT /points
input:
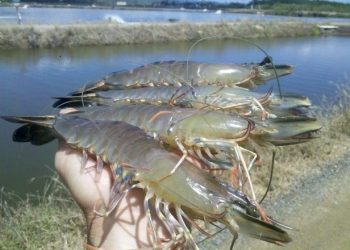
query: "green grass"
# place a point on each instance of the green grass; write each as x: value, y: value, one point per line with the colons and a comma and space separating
x: 306, y: 8
x: 50, y: 220
x: 52, y: 36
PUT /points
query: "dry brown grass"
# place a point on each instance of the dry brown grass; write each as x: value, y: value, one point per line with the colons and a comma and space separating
x: 52, y: 36
x: 295, y: 163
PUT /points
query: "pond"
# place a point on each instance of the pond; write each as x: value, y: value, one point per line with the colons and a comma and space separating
x: 74, y: 15
x: 29, y: 78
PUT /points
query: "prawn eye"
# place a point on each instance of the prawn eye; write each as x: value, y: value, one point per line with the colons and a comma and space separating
x: 118, y: 171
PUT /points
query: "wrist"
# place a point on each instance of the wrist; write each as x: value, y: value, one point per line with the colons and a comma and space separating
x: 87, y: 246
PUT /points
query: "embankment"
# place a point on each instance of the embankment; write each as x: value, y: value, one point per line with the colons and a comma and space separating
x: 52, y: 36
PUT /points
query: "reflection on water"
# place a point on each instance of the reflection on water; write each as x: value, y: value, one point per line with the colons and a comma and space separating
x: 72, y: 15
x: 29, y: 78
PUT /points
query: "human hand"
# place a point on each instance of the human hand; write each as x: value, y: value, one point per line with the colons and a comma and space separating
x: 126, y: 226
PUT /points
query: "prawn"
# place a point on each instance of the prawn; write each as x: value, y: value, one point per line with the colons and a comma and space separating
x: 138, y: 161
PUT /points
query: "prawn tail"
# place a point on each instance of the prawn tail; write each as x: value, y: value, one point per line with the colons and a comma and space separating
x: 36, y: 129
x: 238, y: 221
x: 97, y: 86
x: 74, y: 101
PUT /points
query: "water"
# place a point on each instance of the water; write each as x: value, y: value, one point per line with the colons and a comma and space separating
x: 71, y: 15
x: 29, y: 78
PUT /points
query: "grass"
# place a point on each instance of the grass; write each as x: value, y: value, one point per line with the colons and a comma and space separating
x: 297, y: 162
x: 306, y: 8
x: 52, y: 220
x: 52, y: 36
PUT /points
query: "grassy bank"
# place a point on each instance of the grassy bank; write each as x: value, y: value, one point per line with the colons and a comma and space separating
x: 51, y: 36
x: 305, y: 8
x: 51, y: 220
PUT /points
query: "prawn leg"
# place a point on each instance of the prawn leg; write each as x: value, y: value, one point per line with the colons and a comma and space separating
x: 162, y: 217
x: 178, y: 164
x: 262, y: 212
x: 239, y: 156
x: 118, y: 192
x: 84, y: 160
x: 155, y: 240
x: 264, y: 114
x: 188, y: 234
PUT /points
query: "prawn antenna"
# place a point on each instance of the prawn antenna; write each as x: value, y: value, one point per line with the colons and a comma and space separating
x: 216, y: 233
x: 271, y: 174
x: 235, y: 237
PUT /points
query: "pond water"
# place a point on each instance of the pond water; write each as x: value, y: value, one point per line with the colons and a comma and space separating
x: 29, y: 78
x: 72, y: 15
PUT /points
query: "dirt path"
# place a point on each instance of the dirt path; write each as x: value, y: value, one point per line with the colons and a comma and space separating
x: 319, y: 208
